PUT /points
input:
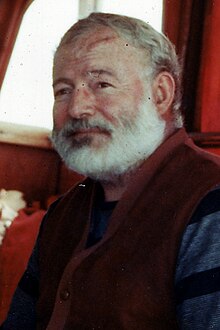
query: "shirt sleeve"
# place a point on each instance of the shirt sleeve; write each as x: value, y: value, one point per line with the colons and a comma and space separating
x: 22, y: 313
x: 197, y: 279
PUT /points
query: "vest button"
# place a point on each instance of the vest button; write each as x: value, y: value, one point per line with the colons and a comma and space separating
x: 64, y: 295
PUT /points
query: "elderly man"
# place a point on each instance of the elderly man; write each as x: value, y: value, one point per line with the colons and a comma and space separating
x: 137, y: 244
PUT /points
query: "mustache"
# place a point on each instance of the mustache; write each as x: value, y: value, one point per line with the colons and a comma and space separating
x: 74, y: 125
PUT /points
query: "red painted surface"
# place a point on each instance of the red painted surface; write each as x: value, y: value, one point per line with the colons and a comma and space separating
x: 209, y: 91
x: 11, y: 14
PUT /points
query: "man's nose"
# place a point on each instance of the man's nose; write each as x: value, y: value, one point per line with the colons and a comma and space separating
x: 82, y: 103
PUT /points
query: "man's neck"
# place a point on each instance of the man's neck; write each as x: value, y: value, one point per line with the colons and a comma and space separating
x: 113, y: 193
x: 114, y: 189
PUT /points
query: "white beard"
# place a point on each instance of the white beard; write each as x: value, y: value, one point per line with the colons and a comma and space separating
x: 126, y: 147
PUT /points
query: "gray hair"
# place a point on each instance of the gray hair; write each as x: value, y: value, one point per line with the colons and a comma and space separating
x: 139, y: 34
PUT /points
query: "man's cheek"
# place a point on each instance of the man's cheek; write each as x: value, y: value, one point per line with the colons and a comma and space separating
x: 60, y: 116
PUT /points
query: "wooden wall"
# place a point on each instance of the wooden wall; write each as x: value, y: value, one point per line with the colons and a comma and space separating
x: 194, y: 28
x: 29, y: 164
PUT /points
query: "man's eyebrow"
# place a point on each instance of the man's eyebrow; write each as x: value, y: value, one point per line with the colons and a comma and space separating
x: 96, y: 73
x: 92, y: 73
x: 62, y: 80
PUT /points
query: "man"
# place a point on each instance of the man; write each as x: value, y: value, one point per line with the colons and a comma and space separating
x: 136, y: 245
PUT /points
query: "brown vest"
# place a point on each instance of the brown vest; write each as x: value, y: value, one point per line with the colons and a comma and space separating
x: 126, y: 281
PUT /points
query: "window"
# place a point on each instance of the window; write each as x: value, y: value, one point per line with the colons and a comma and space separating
x: 149, y: 11
x: 26, y: 97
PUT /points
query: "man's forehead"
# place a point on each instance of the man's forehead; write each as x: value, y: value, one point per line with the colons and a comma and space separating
x: 101, y: 41
x: 90, y: 39
x: 97, y: 39
x: 99, y: 50
x: 95, y: 53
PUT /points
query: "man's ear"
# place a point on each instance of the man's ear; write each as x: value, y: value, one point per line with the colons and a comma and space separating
x: 163, y: 90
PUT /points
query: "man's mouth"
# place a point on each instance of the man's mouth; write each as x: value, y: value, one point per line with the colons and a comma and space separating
x: 87, y: 132
x: 90, y: 131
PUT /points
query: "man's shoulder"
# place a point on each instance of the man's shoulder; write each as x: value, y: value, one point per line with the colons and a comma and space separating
x: 68, y: 194
x: 60, y: 201
x: 209, y: 204
x: 202, y: 153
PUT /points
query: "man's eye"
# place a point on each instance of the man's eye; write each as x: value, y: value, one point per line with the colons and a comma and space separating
x: 103, y: 84
x: 61, y: 92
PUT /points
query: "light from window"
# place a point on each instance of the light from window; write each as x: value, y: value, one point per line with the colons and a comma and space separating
x: 149, y: 11
x: 27, y: 97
